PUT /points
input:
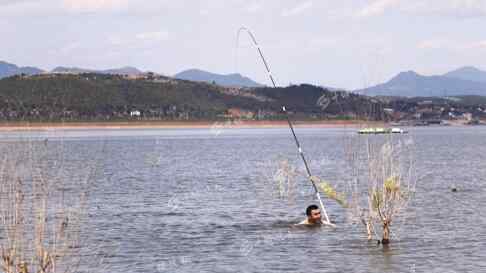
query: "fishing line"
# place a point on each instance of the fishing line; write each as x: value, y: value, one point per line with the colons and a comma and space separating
x: 265, y: 63
x: 255, y: 43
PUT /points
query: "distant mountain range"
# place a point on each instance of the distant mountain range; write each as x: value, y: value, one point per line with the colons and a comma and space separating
x: 8, y: 69
x: 468, y: 73
x: 128, y: 70
x: 462, y: 81
x: 229, y: 80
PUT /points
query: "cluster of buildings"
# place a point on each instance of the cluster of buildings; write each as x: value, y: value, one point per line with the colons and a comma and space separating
x: 428, y: 112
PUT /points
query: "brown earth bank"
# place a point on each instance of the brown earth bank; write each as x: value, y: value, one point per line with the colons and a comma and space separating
x: 20, y: 126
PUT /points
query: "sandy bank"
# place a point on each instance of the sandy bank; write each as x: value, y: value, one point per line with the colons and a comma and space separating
x: 20, y: 126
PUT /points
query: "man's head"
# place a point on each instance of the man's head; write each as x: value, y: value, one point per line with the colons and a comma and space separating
x: 313, y: 214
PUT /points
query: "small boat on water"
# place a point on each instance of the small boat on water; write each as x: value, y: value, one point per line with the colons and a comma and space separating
x: 396, y: 130
x: 376, y: 131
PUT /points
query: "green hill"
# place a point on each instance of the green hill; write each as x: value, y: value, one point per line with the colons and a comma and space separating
x: 55, y: 97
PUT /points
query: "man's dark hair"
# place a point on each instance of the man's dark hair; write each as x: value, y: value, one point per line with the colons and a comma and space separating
x: 310, y: 209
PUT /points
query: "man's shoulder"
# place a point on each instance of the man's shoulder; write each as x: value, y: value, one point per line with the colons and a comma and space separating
x: 305, y: 222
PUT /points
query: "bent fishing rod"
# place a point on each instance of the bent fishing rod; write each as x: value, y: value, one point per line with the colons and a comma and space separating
x: 265, y: 63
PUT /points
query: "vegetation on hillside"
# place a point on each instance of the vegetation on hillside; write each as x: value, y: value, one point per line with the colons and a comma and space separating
x: 102, y: 97
x: 72, y: 97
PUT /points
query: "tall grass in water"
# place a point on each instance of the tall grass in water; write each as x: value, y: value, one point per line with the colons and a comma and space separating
x: 41, y: 210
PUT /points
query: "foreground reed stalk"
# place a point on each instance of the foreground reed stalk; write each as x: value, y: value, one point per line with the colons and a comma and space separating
x: 40, y: 211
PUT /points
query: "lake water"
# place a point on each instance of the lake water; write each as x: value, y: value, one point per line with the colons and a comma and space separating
x: 200, y: 200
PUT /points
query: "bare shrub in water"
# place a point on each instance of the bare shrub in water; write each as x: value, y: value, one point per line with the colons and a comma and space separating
x: 278, y: 177
x: 41, y: 212
x: 381, y: 181
x: 284, y: 177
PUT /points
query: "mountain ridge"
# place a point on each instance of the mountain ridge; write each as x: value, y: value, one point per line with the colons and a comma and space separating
x: 470, y: 73
x: 412, y: 84
x: 125, y: 70
x: 9, y: 69
x: 228, y: 80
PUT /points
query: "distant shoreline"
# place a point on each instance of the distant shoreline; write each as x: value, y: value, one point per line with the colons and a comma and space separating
x: 39, y: 126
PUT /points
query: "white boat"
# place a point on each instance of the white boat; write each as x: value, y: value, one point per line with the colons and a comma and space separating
x: 374, y: 131
x: 397, y: 130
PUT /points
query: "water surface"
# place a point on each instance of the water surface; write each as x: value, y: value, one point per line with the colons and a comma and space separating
x: 196, y: 200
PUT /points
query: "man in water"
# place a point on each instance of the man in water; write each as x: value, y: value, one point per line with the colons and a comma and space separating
x: 313, y: 216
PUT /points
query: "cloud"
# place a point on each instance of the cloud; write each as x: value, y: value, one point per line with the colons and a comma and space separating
x: 434, y: 44
x: 449, y: 8
x: 69, y: 48
x: 297, y: 10
x: 156, y: 36
x: 94, y: 5
x: 377, y: 8
x: 254, y: 7
x: 15, y: 8
x: 447, y: 44
x: 476, y: 45
x: 203, y: 12
x: 116, y: 40
x: 319, y: 43
x: 28, y: 8
x: 138, y: 40
x: 12, y: 2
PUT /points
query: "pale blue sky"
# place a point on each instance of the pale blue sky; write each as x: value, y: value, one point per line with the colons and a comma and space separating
x: 347, y: 43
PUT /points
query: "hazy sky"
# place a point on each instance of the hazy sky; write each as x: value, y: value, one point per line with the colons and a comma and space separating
x: 346, y: 43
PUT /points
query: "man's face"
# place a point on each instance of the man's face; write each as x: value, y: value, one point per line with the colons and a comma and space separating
x: 315, y: 216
